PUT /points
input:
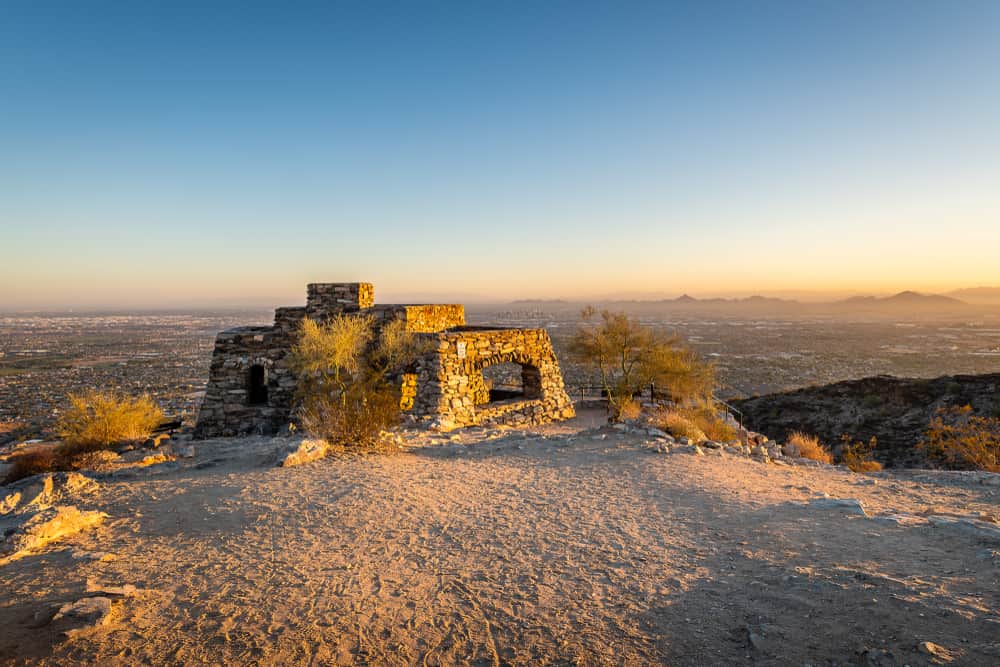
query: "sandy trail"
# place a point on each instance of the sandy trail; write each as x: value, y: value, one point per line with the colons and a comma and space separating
x: 549, y: 548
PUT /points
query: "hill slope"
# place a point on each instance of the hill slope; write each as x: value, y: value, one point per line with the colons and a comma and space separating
x: 894, y: 410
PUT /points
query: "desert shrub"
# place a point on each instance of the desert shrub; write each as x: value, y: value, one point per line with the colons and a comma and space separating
x: 678, y: 425
x: 96, y: 420
x: 101, y: 459
x: 958, y: 440
x: 31, y: 463
x: 858, y: 456
x: 810, y: 447
x: 698, y: 422
x: 715, y: 428
x: 630, y: 409
x: 356, y: 423
x: 630, y: 357
x: 349, y: 392
x: 953, y: 387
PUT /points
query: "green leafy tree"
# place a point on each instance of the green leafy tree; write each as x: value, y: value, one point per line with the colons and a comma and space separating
x: 629, y: 357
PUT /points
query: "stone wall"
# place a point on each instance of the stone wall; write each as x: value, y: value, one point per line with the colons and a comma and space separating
x: 324, y: 299
x: 447, y: 384
x: 450, y: 382
x: 226, y: 409
x: 423, y: 318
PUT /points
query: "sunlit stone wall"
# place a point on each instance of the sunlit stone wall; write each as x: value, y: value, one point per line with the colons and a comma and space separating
x: 251, y: 388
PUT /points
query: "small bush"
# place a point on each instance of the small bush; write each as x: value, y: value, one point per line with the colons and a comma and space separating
x: 715, y: 428
x: 356, y: 420
x: 958, y: 440
x: 96, y: 420
x: 698, y: 422
x: 809, y: 447
x: 858, y: 456
x: 630, y: 409
x: 31, y: 463
x: 679, y: 425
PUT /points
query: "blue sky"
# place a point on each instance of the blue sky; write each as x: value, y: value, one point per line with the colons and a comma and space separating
x: 227, y: 153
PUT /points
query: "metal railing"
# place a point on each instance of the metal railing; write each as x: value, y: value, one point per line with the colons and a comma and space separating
x: 598, y: 391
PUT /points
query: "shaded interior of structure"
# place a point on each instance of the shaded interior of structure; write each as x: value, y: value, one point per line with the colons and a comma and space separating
x: 257, y: 385
x: 510, y: 381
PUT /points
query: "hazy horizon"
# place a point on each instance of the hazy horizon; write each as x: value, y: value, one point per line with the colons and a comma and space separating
x: 193, y: 155
x: 293, y: 299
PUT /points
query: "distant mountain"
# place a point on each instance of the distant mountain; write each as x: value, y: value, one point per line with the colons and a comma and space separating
x: 980, y: 295
x: 756, y: 299
x: 896, y: 305
x: 907, y: 299
x: 522, y: 302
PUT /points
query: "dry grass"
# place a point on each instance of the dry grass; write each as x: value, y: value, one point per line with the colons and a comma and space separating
x: 695, y: 422
x: 630, y: 409
x: 355, y: 420
x: 858, y: 456
x: 810, y: 447
x: 679, y: 425
x: 32, y: 463
x: 96, y: 420
x: 716, y: 429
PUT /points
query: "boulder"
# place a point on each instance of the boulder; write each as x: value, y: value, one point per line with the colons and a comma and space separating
x: 974, y: 527
x: 40, y: 491
x: 27, y: 531
x: 125, y: 590
x: 847, y: 505
x: 84, y: 615
x: 303, y: 451
x: 937, y: 651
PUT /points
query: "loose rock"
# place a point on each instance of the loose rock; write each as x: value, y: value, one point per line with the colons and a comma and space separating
x: 84, y: 615
x: 304, y: 451
x: 847, y: 505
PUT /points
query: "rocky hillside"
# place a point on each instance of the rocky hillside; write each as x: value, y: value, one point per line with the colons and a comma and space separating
x: 894, y: 410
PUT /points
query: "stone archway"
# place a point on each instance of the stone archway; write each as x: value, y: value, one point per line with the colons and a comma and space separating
x: 487, y: 390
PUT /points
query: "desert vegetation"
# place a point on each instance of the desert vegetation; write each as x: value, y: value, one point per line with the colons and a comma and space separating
x: 957, y: 439
x: 93, y: 421
x: 348, y: 391
x: 697, y: 422
x: 859, y: 456
x: 97, y: 420
x: 809, y: 447
x: 630, y: 357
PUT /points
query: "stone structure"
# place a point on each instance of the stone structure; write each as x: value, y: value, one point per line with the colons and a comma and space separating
x: 251, y: 387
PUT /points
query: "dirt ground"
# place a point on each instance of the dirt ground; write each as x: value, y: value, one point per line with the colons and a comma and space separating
x: 568, y: 545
